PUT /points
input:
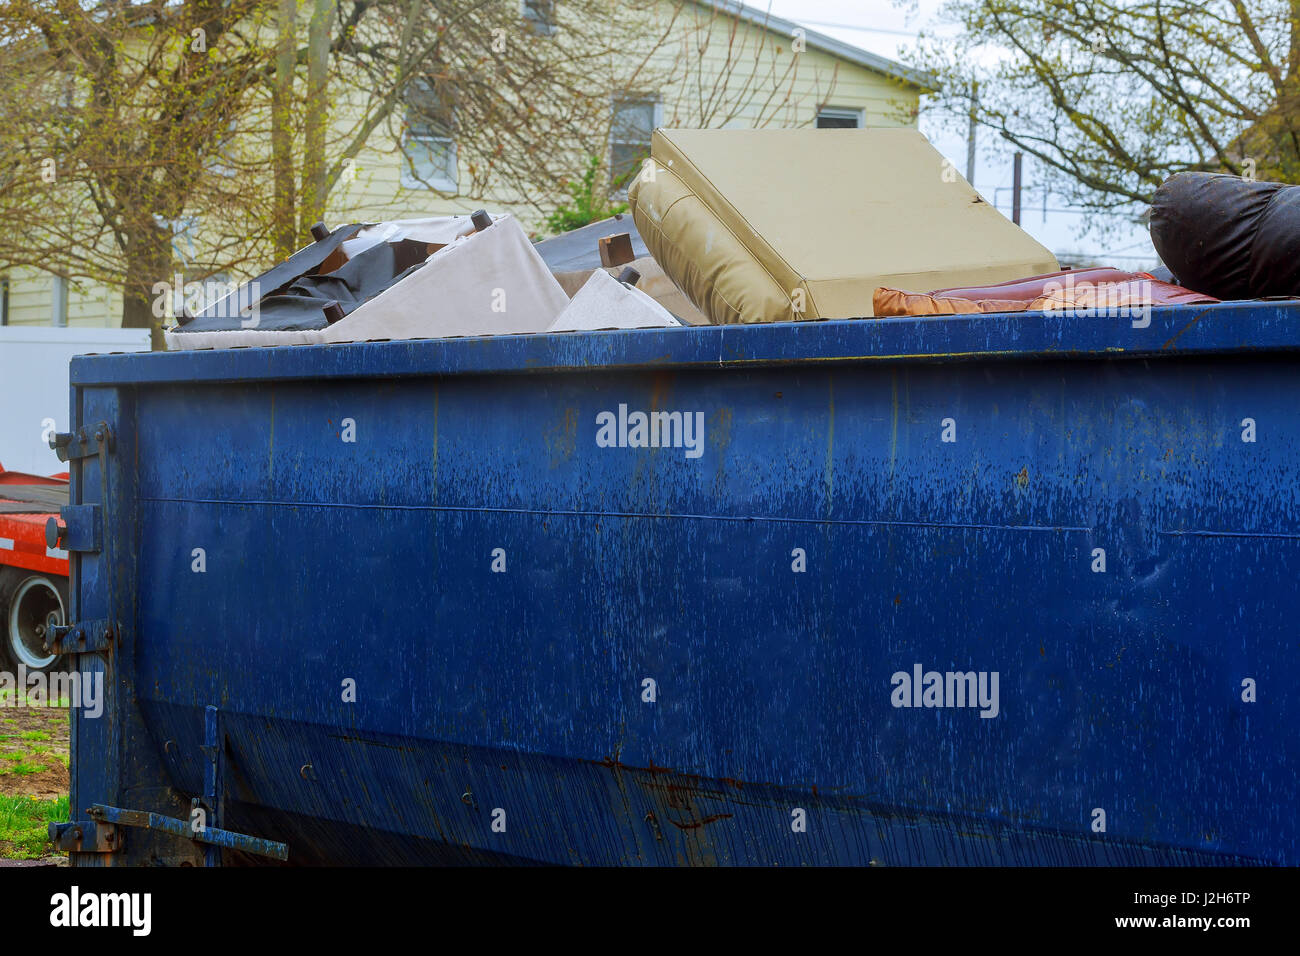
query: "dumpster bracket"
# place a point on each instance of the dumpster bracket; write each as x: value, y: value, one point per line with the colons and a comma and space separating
x: 85, y: 836
x: 104, y: 831
x: 209, y: 836
x: 213, y: 801
x: 89, y: 637
x: 81, y: 529
x: 209, y: 810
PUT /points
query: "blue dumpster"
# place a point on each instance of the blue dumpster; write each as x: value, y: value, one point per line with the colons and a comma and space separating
x: 993, y: 589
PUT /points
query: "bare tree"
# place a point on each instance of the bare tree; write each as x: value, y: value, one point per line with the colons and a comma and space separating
x: 529, y: 102
x: 1114, y: 96
x: 140, y: 136
x: 115, y: 120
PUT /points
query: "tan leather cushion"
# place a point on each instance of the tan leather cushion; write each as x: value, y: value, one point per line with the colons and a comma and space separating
x: 778, y: 224
x: 704, y: 257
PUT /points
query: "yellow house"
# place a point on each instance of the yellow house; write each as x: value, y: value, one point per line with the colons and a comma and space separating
x: 718, y: 63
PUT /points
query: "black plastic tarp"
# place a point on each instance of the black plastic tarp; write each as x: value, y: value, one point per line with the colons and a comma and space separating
x: 1229, y: 237
x: 293, y: 296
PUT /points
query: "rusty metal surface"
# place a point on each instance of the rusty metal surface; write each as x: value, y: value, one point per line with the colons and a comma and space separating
x: 500, y: 586
x: 115, y: 818
x: 86, y: 836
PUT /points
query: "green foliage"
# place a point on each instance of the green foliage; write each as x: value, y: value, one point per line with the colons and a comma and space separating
x: 588, y: 203
x: 24, y: 824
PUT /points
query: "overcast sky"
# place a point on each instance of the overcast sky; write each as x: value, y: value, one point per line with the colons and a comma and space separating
x: 887, y: 29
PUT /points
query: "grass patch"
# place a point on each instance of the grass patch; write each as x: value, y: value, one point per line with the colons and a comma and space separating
x: 22, y: 768
x: 34, y: 753
x: 24, y: 826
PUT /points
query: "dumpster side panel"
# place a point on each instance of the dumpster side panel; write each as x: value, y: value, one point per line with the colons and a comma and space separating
x: 446, y: 621
x: 116, y: 761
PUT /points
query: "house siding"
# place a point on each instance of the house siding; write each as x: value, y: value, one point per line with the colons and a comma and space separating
x: 374, y: 190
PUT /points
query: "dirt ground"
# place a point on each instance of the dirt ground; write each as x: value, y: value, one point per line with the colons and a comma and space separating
x: 33, y: 782
x: 33, y: 751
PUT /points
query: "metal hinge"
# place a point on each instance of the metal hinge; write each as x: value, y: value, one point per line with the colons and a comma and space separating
x: 85, y: 836
x: 89, y: 637
x: 85, y: 442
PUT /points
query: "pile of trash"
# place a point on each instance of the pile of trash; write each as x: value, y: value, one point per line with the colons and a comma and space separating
x: 750, y: 226
x: 422, y: 278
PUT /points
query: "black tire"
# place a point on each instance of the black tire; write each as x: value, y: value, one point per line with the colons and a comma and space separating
x: 29, y: 603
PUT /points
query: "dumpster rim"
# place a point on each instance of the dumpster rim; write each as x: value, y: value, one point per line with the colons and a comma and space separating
x: 1240, y: 328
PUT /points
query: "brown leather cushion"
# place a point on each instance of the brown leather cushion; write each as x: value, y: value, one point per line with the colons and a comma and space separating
x: 1053, y: 291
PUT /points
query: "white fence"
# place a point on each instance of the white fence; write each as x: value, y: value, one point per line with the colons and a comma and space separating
x: 34, y: 387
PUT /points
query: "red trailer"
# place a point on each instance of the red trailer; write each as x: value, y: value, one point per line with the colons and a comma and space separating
x: 33, y: 576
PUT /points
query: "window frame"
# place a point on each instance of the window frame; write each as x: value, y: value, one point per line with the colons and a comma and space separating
x: 652, y: 100
x: 855, y: 113
x: 59, y: 295
x: 407, y: 177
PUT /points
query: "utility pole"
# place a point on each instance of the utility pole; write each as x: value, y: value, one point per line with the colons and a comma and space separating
x: 970, y: 136
x: 1015, y: 190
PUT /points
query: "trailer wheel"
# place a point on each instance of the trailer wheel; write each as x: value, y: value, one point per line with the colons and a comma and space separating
x: 30, y: 604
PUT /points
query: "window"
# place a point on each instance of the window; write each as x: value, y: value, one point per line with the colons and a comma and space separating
x: 428, y: 145
x: 58, y: 301
x: 634, y: 120
x: 833, y: 117
x: 540, y: 15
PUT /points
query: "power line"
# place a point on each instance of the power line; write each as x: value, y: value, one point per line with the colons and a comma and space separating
x: 1134, y: 245
x: 1069, y: 210
x: 850, y: 26
x: 1076, y: 211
